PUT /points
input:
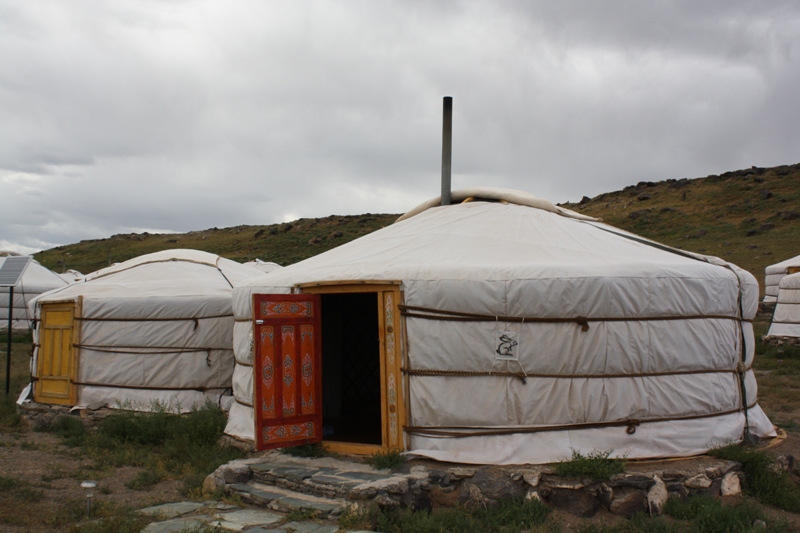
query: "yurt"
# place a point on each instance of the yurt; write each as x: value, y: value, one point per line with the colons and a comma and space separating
x: 786, y: 318
x: 35, y: 280
x: 156, y: 328
x: 500, y: 329
x: 774, y: 274
x: 263, y: 266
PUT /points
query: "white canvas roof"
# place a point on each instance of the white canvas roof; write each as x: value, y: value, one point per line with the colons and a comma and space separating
x: 35, y: 280
x: 263, y: 266
x: 663, y: 346
x: 786, y: 318
x: 156, y: 327
x: 72, y: 276
x: 774, y: 274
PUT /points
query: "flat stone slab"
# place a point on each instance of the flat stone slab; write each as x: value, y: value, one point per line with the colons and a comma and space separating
x: 250, y: 517
x: 311, y: 527
x: 171, y: 510
x: 300, y: 504
x: 171, y: 526
x: 255, y: 494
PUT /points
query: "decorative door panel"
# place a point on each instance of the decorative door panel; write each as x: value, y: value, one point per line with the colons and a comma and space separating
x: 287, y: 370
x: 55, y: 360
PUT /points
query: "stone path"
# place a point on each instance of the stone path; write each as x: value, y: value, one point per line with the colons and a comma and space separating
x: 191, y: 516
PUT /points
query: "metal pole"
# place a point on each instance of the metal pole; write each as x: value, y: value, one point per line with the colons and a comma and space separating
x: 8, y: 349
x: 447, y: 147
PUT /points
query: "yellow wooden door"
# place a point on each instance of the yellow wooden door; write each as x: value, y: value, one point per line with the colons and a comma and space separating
x: 56, y: 361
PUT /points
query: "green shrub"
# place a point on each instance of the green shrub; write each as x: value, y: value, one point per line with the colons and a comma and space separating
x: 597, y: 464
x: 390, y: 459
x: 70, y: 429
x: 760, y: 480
x: 708, y: 515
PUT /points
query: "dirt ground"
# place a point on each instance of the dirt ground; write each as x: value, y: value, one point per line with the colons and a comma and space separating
x: 55, y: 472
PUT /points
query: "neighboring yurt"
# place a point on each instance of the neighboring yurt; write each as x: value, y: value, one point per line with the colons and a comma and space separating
x: 773, y: 275
x: 498, y: 330
x: 786, y: 318
x: 35, y: 280
x: 72, y: 276
x: 263, y: 266
x: 157, y: 328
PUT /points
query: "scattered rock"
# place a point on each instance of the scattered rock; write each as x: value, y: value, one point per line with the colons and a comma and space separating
x: 766, y: 227
x: 758, y: 179
x: 273, y: 231
x: 752, y: 246
x: 751, y: 232
x: 287, y: 227
x: 336, y: 234
x: 585, y: 200
x: 637, y: 481
x: 575, y: 502
x: 731, y: 485
x: 759, y: 524
x: 789, y: 215
x: 657, y: 497
x: 644, y: 196
x: 765, y: 194
x: 629, y: 503
x: 700, y: 481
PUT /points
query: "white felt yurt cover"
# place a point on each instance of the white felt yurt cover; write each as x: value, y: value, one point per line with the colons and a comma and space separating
x: 786, y: 318
x: 263, y: 266
x: 655, y: 373
x: 158, y: 327
x: 35, y: 280
x: 773, y: 275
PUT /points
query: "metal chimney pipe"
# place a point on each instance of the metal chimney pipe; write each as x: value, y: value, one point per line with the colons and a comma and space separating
x: 447, y: 147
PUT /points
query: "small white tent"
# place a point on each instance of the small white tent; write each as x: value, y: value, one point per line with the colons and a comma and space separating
x: 34, y: 281
x: 503, y: 330
x: 786, y: 318
x: 263, y: 266
x: 155, y: 328
x: 774, y: 274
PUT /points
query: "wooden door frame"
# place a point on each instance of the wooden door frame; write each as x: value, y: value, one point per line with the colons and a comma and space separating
x: 392, y: 350
x: 76, y: 306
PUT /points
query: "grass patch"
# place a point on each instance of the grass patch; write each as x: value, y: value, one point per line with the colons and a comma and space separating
x: 509, y: 516
x: 144, y: 480
x: 70, y: 429
x: 639, y: 523
x: 760, y: 480
x: 167, y: 446
x: 596, y: 464
x: 389, y: 460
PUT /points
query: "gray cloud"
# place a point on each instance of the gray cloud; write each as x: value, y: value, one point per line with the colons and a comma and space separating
x: 173, y: 116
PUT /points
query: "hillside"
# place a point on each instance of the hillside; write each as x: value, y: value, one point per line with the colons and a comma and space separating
x: 749, y: 217
x: 284, y: 244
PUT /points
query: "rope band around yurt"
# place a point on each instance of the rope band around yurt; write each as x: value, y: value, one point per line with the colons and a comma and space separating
x: 138, y: 387
x: 455, y: 432
x: 427, y: 313
x: 522, y: 375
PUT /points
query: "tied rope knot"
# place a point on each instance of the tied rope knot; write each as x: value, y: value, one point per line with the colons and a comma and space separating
x: 583, y: 322
x: 632, y: 425
x: 741, y: 368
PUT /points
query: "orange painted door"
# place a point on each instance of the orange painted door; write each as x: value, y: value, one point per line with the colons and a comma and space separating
x: 55, y: 361
x: 287, y: 369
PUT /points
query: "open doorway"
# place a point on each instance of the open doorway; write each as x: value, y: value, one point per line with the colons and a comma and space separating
x: 351, y: 368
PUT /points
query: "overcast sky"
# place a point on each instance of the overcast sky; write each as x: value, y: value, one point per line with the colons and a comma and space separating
x: 171, y: 116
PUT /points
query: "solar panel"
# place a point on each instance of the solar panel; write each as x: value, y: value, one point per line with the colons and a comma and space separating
x: 12, y: 269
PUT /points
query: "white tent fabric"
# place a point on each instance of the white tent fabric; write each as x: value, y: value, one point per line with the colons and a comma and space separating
x: 662, y: 348
x: 786, y: 318
x: 72, y: 276
x: 155, y: 328
x: 773, y: 275
x: 35, y: 280
x: 263, y: 266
